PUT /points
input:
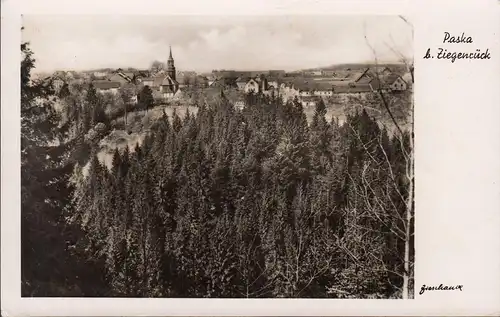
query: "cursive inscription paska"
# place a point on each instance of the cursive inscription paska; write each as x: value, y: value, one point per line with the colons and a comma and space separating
x: 448, y: 38
x: 441, y: 287
x: 443, y: 53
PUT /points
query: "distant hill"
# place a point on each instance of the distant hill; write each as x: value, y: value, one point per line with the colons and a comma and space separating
x: 356, y: 66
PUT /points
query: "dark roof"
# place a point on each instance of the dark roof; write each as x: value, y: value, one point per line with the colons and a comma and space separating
x: 106, y: 84
x: 312, y: 86
x: 169, y: 81
x: 309, y: 98
x: 353, y: 89
x: 390, y: 79
x: 126, y: 75
x: 243, y: 79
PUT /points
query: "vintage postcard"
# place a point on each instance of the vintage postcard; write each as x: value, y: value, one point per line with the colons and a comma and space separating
x: 275, y: 160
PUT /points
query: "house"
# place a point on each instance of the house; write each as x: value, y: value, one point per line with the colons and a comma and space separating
x: 118, y: 79
x: 128, y: 76
x: 304, y: 88
x: 216, y: 83
x: 316, y: 72
x: 272, y: 82
x: 168, y: 86
x: 252, y: 85
x: 211, y: 79
x: 239, y: 105
x: 224, y: 82
x: 381, y: 70
x: 241, y: 82
x: 360, y: 91
x: 309, y: 101
x: 322, y: 89
x: 105, y: 86
x: 328, y: 73
x: 99, y: 74
x: 395, y: 82
x: 408, y: 78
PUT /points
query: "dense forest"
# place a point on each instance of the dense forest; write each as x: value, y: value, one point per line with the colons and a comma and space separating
x: 225, y: 203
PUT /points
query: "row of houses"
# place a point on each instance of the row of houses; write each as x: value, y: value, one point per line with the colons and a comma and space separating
x: 309, y: 90
x: 168, y: 83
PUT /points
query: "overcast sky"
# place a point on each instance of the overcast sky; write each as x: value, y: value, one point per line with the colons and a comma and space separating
x: 203, y: 43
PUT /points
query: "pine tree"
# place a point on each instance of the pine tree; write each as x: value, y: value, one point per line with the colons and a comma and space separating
x: 145, y: 98
x: 48, y: 268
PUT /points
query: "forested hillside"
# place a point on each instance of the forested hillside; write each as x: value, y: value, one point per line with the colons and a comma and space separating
x: 222, y: 203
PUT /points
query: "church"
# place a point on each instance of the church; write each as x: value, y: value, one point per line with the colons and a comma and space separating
x: 164, y: 83
x: 169, y: 85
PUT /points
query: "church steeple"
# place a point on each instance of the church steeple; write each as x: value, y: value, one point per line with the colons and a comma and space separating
x: 170, y: 65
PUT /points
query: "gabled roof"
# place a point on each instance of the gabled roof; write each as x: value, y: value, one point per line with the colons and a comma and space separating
x: 129, y: 74
x: 158, y: 80
x: 358, y: 88
x: 169, y: 81
x: 117, y: 77
x: 312, y: 86
x: 390, y: 79
x: 361, y: 75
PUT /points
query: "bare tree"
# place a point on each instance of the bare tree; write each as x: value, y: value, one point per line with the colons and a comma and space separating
x: 157, y: 66
x: 388, y: 101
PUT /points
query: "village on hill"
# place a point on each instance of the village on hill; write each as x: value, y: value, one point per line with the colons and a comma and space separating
x: 338, y: 82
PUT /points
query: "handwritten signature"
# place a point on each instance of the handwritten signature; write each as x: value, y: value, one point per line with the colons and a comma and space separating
x: 441, y: 287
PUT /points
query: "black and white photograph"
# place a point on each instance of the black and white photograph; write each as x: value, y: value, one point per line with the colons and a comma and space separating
x: 180, y: 156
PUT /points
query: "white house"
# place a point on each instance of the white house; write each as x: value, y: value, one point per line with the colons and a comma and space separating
x: 396, y: 83
x: 239, y: 105
x: 99, y: 74
x: 252, y: 85
x: 323, y: 93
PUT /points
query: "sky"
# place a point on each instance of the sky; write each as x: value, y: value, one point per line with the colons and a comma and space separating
x: 205, y: 43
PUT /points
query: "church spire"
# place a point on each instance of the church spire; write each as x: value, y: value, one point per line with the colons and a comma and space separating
x: 170, y: 65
